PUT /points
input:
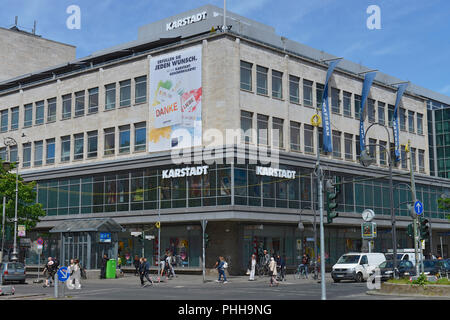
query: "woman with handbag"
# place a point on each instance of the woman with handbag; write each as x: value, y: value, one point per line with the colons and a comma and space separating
x: 273, y: 272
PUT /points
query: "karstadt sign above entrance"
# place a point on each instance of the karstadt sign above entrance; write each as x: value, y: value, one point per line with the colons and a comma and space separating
x: 185, y: 21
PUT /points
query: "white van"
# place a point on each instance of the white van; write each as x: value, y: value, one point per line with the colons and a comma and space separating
x: 403, y: 254
x: 356, y: 266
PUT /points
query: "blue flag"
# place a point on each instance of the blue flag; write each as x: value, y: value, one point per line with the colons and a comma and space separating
x: 368, y: 79
x: 400, y: 91
x: 327, y: 142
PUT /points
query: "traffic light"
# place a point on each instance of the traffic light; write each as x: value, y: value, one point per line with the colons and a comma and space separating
x: 410, y: 230
x: 424, y: 228
x: 206, y: 240
x: 332, y: 194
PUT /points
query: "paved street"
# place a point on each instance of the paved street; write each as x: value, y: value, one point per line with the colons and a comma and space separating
x: 190, y: 287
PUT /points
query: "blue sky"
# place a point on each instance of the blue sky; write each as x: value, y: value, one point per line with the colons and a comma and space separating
x: 413, y: 42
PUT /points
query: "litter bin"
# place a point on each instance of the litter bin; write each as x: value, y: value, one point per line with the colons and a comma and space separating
x: 111, y: 269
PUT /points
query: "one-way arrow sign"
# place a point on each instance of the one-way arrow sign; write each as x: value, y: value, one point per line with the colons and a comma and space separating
x: 418, y: 207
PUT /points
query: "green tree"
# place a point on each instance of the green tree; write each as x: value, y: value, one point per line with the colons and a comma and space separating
x: 28, y: 211
x: 444, y: 204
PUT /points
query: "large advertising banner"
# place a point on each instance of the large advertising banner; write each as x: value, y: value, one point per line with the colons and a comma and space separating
x: 175, y: 100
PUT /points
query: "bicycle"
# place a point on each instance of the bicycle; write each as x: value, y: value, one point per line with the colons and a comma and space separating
x: 262, y: 270
x: 301, y: 272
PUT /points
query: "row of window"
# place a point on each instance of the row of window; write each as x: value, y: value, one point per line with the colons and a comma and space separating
x: 374, y: 108
x: 263, y: 137
x: 75, y: 104
x: 80, y: 146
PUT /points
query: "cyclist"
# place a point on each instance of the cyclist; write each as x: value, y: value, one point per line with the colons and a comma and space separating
x: 304, y: 264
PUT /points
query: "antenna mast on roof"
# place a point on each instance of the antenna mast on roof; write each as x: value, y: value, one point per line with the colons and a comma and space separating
x: 34, y: 28
x: 224, y: 14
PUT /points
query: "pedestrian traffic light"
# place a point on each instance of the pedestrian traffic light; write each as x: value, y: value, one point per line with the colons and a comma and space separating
x: 424, y: 228
x: 332, y: 194
x: 206, y: 240
x: 410, y: 230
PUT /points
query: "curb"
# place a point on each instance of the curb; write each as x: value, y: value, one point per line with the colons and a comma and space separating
x: 377, y: 293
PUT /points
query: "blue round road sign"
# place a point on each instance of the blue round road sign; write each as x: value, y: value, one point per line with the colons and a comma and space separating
x: 40, y: 241
x: 63, y: 274
x: 418, y: 207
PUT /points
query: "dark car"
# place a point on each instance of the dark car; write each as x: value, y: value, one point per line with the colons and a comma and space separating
x: 435, y: 267
x: 12, y: 271
x: 404, y: 268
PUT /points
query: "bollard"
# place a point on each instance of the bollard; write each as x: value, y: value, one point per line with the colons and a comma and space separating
x: 56, y: 286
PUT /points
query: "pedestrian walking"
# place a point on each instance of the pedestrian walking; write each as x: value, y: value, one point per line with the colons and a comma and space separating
x: 69, y: 271
x: 146, y: 270
x: 75, y: 275
x: 252, y: 267
x: 49, y: 271
x: 282, y: 266
x: 136, y: 263
x: 170, y: 261
x: 273, y: 272
x: 103, y: 267
x: 119, y: 264
x: 221, y: 268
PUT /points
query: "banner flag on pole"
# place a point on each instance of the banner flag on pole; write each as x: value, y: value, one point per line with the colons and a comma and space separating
x: 327, y: 142
x: 401, y: 89
x: 368, y: 79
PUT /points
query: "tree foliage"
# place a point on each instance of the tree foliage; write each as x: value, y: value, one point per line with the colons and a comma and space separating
x: 28, y: 211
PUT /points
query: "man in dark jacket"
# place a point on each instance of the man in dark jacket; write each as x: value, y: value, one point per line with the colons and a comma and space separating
x: 103, y: 267
x: 144, y: 271
x: 136, y: 264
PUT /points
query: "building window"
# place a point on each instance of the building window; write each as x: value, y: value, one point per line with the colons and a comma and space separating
x: 422, y: 161
x: 309, y: 138
x: 50, y: 154
x: 295, y: 136
x: 51, y: 110
x: 404, y: 158
x: 140, y: 89
x: 294, y: 91
x: 391, y: 109
x: 15, y: 118
x: 39, y: 113
x: 411, y: 121
x: 277, y: 133
x: 124, y: 139
x: 4, y: 120
x: 79, y: 103
x: 348, y: 146
x: 261, y: 80
x: 28, y: 116
x: 358, y: 147
x: 357, y: 106
x: 65, y: 148
x: 246, y: 75
x: 383, y: 149
x: 110, y: 141
x: 277, y: 84
x: 246, y: 126
x: 321, y: 140
x: 13, y: 153
x: 38, y: 153
x: 319, y: 94
x: 381, y: 106
x: 26, y: 155
x: 263, y: 129
x: 140, y: 136
x: 307, y: 93
x: 419, y: 123
x: 347, y: 104
x: 371, y: 110
x: 402, y: 119
x: 373, y: 149
x: 92, y: 144
x: 78, y: 146
x: 335, y: 101
x: 3, y: 153
x: 110, y: 96
x: 336, y: 144
x: 93, y: 100
x: 413, y: 156
x: 67, y: 106
x: 125, y: 93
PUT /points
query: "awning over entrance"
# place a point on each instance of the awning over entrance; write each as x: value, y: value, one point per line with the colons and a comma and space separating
x: 88, y: 225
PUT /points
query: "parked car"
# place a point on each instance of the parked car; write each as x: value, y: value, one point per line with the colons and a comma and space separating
x: 12, y: 271
x: 404, y: 268
x: 356, y: 266
x: 435, y: 267
x: 403, y: 254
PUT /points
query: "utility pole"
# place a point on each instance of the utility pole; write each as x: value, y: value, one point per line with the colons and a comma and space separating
x: 414, y: 216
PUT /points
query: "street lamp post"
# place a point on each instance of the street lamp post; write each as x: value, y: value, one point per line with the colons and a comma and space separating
x: 367, y: 160
x: 11, y: 142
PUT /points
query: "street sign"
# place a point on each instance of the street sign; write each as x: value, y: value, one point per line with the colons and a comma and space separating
x: 105, y: 237
x: 63, y: 274
x: 418, y: 207
x: 368, y: 230
x: 40, y: 241
x: 21, y: 230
